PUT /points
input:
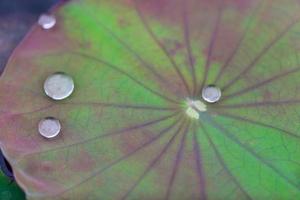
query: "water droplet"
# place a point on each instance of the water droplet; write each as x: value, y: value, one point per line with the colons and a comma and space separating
x: 49, y: 127
x: 59, y: 86
x: 47, y: 21
x: 211, y: 94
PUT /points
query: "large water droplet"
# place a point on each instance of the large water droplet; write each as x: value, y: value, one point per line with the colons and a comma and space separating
x: 59, y: 86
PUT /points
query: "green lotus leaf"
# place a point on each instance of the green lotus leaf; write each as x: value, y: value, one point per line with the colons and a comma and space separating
x: 136, y: 126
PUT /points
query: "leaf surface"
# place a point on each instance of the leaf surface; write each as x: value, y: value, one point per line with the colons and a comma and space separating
x: 125, y: 131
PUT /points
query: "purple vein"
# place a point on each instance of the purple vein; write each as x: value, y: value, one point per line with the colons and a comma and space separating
x: 162, y: 47
x: 239, y: 43
x: 259, y: 104
x: 124, y: 130
x: 262, y: 83
x: 49, y: 106
x: 213, y: 41
x: 129, y: 49
x: 199, y: 168
x: 122, y: 106
x: 177, y: 161
x: 235, y: 139
x: 117, y: 69
x: 153, y: 162
x: 186, y: 31
x: 13, y: 86
x: 223, y: 164
x: 109, y: 166
x: 263, y: 52
x: 258, y: 123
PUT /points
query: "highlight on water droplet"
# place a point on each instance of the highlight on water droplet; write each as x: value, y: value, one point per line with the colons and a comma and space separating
x: 47, y: 21
x: 49, y: 127
x: 59, y: 86
x: 211, y: 94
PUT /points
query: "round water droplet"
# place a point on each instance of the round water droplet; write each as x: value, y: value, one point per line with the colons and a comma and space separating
x: 47, y: 21
x: 211, y: 94
x: 59, y: 86
x: 49, y: 127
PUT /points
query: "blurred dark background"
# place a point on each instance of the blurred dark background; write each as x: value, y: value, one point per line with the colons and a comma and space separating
x: 16, y: 18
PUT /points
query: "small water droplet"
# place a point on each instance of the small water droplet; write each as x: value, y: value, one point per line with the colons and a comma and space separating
x: 47, y: 21
x: 59, y: 86
x: 211, y: 94
x: 49, y: 127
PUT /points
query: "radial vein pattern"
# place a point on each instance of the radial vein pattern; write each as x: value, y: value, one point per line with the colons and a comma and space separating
x: 136, y: 64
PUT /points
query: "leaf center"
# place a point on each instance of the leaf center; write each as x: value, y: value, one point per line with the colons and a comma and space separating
x: 194, y: 107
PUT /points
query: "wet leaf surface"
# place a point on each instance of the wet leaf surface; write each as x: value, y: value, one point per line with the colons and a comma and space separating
x: 125, y: 131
